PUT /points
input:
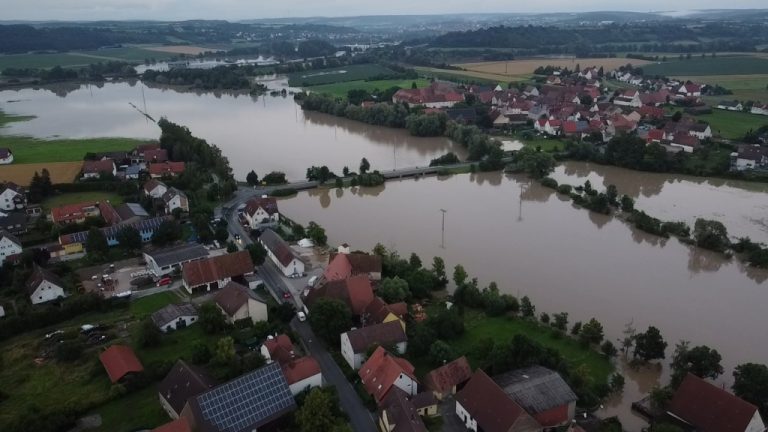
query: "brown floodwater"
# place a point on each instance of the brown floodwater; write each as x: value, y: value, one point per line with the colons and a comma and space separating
x: 533, y: 242
x: 262, y: 133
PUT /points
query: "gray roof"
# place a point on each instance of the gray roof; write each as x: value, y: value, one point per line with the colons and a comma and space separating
x: 171, y: 193
x: 10, y: 237
x: 536, y: 388
x: 279, y: 248
x: 178, y: 254
x: 182, y: 383
x: 173, y: 312
x: 12, y: 219
x: 245, y: 403
x: 382, y: 334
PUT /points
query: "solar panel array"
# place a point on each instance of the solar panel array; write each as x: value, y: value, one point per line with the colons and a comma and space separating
x: 247, y: 401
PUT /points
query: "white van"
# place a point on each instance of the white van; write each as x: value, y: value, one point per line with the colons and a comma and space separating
x: 311, y: 282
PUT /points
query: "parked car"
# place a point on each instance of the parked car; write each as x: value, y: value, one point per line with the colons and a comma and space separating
x: 302, y: 316
x: 311, y: 282
x: 164, y: 281
x: 287, y: 295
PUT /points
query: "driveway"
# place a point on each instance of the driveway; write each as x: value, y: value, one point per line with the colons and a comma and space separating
x: 451, y: 422
x: 360, y: 418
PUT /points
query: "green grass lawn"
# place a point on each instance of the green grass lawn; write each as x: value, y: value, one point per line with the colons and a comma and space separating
x: 731, y: 124
x: 734, y: 65
x: 341, y: 89
x: 147, y: 305
x: 143, y: 406
x: 336, y: 75
x: 78, y: 197
x: 547, y: 144
x: 34, y: 150
x: 479, y: 326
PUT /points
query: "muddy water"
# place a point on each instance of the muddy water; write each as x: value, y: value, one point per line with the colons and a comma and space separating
x: 533, y: 242
x: 262, y: 133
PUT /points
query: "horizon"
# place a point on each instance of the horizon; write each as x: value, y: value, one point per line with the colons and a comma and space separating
x: 238, y: 10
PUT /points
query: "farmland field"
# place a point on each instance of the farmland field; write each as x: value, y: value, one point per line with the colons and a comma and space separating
x: 180, y: 49
x: 744, y: 87
x: 733, y: 125
x: 741, y: 65
x: 341, y: 89
x: 61, y: 172
x: 469, y: 76
x: 526, y: 67
x: 33, y: 150
x: 80, y: 58
x: 337, y: 75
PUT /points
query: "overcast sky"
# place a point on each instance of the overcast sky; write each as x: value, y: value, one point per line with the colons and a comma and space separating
x: 249, y: 9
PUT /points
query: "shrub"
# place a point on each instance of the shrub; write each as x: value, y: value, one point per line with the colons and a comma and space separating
x: 564, y: 189
x: 549, y: 182
x: 283, y: 192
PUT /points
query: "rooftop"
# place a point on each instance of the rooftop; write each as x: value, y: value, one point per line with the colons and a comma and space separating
x: 493, y: 410
x: 451, y: 374
x: 536, y: 388
x: 173, y: 312
x: 233, y: 296
x: 279, y: 248
x: 388, y: 333
x: 183, y: 382
x: 217, y: 268
x: 119, y: 360
x: 178, y: 254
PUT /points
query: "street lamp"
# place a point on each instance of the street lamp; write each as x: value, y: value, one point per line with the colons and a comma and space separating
x: 442, y: 241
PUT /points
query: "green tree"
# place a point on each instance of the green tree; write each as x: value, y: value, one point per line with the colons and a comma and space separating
x: 702, y: 361
x: 167, y: 233
x: 317, y: 233
x: 440, y: 353
x: 560, y: 321
x: 211, y: 319
x: 224, y: 352
x: 627, y: 204
x: 535, y: 163
x: 252, y: 178
x: 148, y: 335
x: 231, y: 247
x: 393, y: 290
x: 129, y: 238
x: 221, y: 234
x: 527, y: 308
x: 414, y: 261
x: 649, y: 345
x: 751, y: 384
x: 364, y: 166
x: 711, y: 234
x: 201, y: 353
x: 591, y: 332
x: 544, y: 317
x: 317, y: 412
x: 96, y: 245
x: 608, y: 349
x: 329, y: 319
x: 257, y: 252
x: 576, y: 329
x: 459, y: 275
x: 438, y: 269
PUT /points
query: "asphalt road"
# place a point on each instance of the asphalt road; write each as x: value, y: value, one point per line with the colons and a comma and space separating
x: 360, y: 418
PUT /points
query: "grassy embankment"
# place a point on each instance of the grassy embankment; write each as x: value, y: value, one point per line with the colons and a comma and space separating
x: 78, y: 197
x: 732, y: 124
x: 337, y: 75
x: 84, y: 381
x: 342, y: 88
x: 81, y: 58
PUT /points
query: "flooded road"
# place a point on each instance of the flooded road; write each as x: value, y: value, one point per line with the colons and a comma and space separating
x: 533, y: 242
x: 262, y: 133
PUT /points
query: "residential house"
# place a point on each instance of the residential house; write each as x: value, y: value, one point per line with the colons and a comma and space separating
x: 356, y: 343
x: 302, y: 373
x: 378, y: 311
x: 131, y: 172
x: 131, y: 213
x: 655, y: 136
x: 95, y: 168
x: 425, y: 404
x: 155, y: 188
x: 398, y: 414
x: 238, y: 302
x: 250, y: 402
x: 542, y: 393
x: 120, y: 362
x: 548, y: 126
x: 183, y: 382
x: 75, y: 243
x: 760, y: 109
x: 289, y: 263
x: 700, y: 130
x: 437, y: 95
x: 484, y: 407
x: 10, y: 246
x: 44, y: 286
x: 733, y: 105
x: 686, y: 142
x: 704, y: 407
x: 344, y: 265
x: 178, y: 425
x: 651, y: 112
x: 383, y: 371
x: 138, y: 153
x: 165, y: 261
x: 212, y: 273
x: 6, y: 156
x: 448, y: 378
x: 155, y: 155
x: 259, y: 211
x: 12, y: 197
x: 690, y: 89
x: 278, y: 348
x: 75, y: 213
x: 173, y: 199
x: 750, y: 157
x: 356, y: 292
x: 170, y: 169
x: 13, y: 222
x: 175, y: 317
x: 629, y: 98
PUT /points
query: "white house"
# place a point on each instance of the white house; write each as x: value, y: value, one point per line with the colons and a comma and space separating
x: 215, y: 272
x: 382, y: 371
x: 2, y: 312
x: 174, y: 317
x: 6, y: 156
x: 690, y: 89
x: 44, y: 286
x: 355, y: 343
x: 9, y: 245
x: 760, y: 109
x: 700, y: 131
x: 238, y: 302
x: 12, y: 197
x: 730, y: 105
x: 155, y: 188
x: 260, y: 211
x: 173, y: 199
x: 630, y: 98
x: 165, y: 261
x: 94, y: 169
x: 302, y: 373
x: 281, y: 254
x: 749, y: 157
x: 548, y: 126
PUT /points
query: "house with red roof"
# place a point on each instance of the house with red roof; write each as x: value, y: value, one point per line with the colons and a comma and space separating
x: 686, y: 142
x: 448, y: 378
x: 156, y: 155
x: 344, y: 265
x: 356, y: 342
x: 355, y: 291
x: 690, y: 89
x: 178, y: 425
x: 651, y: 112
x: 288, y: 261
x: 75, y: 213
x: 302, y: 373
x: 278, y: 348
x: 215, y: 272
x: 655, y: 136
x: 483, y: 406
x: 120, y: 362
x: 437, y: 95
x: 383, y: 371
x: 704, y: 407
x: 628, y: 98
x: 261, y: 210
x: 378, y: 311
x: 170, y: 169
x: 238, y: 302
x: 95, y: 168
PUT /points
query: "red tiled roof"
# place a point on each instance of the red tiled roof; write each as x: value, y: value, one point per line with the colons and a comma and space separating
x: 389, y: 333
x: 151, y: 184
x: 70, y: 212
x: 109, y: 214
x: 161, y: 168
x: 119, y: 360
x: 269, y: 205
x: 378, y: 310
x: 142, y: 148
x: 99, y: 166
x: 710, y: 408
x: 655, y: 135
x: 217, y: 268
x: 156, y: 155
x: 360, y: 293
x: 232, y: 297
x: 570, y: 127
x: 178, y: 425
x: 452, y: 374
x: 493, y: 409
x: 380, y: 372
x: 280, y: 349
x: 686, y: 140
x: 300, y: 369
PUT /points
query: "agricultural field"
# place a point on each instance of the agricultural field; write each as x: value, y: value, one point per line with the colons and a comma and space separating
x: 731, y: 124
x: 744, y: 87
x: 468, y: 76
x: 61, y: 172
x: 337, y: 75
x: 180, y: 49
x: 78, y: 197
x: 518, y: 68
x: 736, y: 65
x: 81, y: 58
x: 341, y: 89
x: 34, y: 150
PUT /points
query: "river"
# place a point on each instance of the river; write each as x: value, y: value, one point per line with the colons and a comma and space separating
x: 265, y: 133
x: 507, y: 229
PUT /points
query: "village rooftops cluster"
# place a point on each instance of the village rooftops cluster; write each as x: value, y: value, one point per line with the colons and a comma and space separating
x: 146, y: 158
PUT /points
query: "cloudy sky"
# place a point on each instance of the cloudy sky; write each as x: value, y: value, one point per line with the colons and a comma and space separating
x: 247, y: 9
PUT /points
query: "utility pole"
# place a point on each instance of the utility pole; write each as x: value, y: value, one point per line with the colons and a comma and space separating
x: 442, y: 241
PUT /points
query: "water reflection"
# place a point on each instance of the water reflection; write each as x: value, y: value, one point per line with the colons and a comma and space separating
x: 701, y: 260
